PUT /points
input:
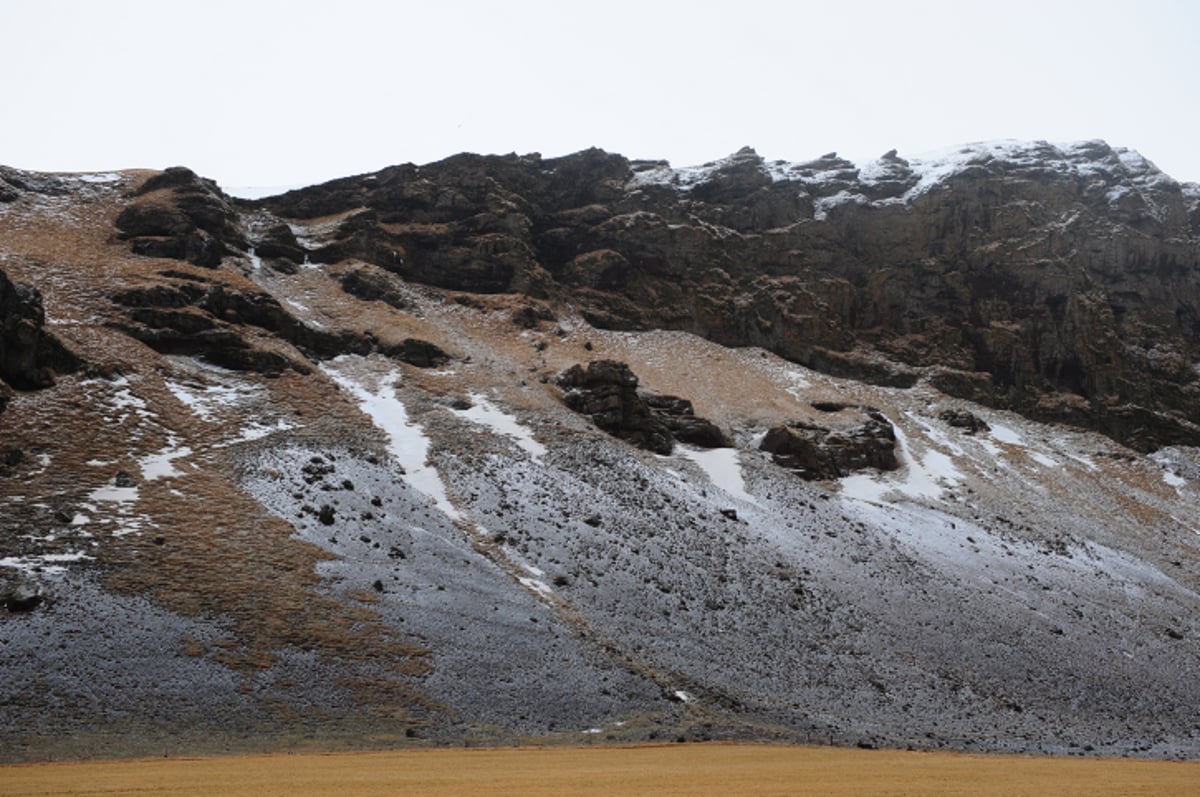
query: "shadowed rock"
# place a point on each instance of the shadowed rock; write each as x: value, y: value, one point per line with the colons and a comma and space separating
x: 815, y: 452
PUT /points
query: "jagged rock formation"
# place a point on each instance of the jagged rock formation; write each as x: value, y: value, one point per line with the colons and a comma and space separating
x: 182, y: 216
x: 1057, y: 281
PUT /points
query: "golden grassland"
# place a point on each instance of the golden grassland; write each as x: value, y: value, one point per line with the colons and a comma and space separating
x: 710, y: 769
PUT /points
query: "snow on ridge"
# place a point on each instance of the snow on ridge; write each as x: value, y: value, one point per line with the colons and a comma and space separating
x: 46, y: 564
x: 1126, y: 168
x: 684, y: 178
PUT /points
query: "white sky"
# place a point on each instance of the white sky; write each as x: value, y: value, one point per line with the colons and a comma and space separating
x: 260, y: 93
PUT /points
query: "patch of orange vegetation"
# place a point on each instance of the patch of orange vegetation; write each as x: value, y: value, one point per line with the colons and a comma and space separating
x: 665, y: 770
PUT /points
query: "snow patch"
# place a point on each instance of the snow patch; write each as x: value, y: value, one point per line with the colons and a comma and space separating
x: 1042, y: 459
x: 926, y: 477
x: 100, y: 177
x: 407, y: 442
x: 110, y: 493
x: 724, y: 470
x: 1006, y: 434
x: 160, y: 465
x: 43, y: 564
x: 540, y: 587
x: 484, y: 413
x: 207, y: 401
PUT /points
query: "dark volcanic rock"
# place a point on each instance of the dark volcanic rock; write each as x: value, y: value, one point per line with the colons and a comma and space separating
x: 606, y: 391
x: 964, y: 419
x: 278, y: 242
x: 680, y: 418
x: 374, y: 285
x: 209, y: 319
x: 7, y: 192
x: 419, y: 353
x: 815, y: 452
x: 25, y: 596
x: 1063, y: 283
x: 182, y: 216
x: 29, y: 354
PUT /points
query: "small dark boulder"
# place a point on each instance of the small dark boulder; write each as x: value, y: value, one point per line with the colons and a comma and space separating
x: 530, y: 315
x: 150, y: 219
x: 418, y: 353
x: 8, y: 193
x: 965, y: 420
x: 24, y: 597
x: 30, y: 356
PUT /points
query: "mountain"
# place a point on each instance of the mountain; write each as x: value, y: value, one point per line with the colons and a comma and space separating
x: 586, y: 449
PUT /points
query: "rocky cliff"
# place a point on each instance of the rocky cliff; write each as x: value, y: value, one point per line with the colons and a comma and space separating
x: 1059, y: 281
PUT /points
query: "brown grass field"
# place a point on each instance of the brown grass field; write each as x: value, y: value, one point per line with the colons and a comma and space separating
x: 710, y: 769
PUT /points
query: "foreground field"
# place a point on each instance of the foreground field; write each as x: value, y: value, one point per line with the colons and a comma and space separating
x: 665, y: 770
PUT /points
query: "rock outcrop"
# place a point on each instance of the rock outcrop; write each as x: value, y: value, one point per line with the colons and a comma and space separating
x: 816, y: 452
x: 1059, y: 281
x: 30, y: 355
x: 606, y: 391
x: 182, y: 216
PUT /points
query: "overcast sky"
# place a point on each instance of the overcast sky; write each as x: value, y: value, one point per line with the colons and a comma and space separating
x: 258, y: 93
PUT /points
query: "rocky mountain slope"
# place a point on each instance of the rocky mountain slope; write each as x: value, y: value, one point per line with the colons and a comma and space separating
x: 589, y: 449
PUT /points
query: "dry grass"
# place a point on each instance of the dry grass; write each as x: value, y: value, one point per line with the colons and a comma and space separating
x: 675, y: 770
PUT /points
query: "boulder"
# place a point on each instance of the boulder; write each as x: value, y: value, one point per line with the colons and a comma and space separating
x: 8, y: 193
x: 373, y: 284
x: 680, y: 418
x: 816, y: 452
x: 965, y: 420
x: 418, y: 353
x: 606, y: 391
x: 25, y: 596
x: 179, y: 215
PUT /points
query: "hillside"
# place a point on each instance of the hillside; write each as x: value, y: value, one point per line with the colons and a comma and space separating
x: 901, y: 453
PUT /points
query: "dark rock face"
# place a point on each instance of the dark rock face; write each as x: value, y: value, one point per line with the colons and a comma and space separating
x: 1063, y: 283
x: 606, y: 391
x: 29, y: 354
x: 815, y: 452
x: 195, y: 221
x: 7, y: 192
x: 191, y: 316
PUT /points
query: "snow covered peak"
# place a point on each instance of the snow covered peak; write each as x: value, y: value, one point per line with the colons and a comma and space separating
x: 1120, y: 175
